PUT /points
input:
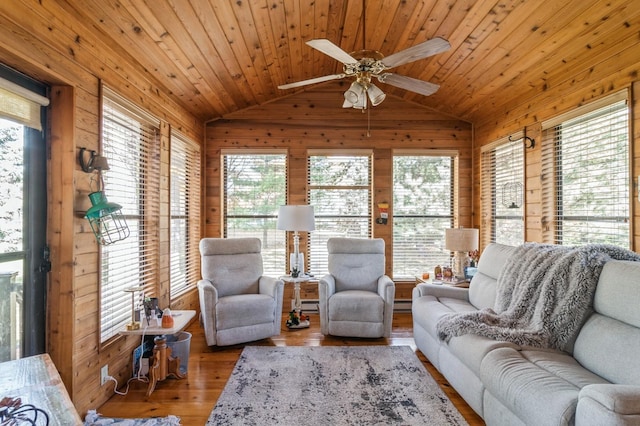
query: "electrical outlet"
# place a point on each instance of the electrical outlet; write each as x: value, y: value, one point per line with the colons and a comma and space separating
x: 104, y: 373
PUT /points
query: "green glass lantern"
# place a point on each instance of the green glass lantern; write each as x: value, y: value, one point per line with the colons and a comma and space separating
x: 106, y: 219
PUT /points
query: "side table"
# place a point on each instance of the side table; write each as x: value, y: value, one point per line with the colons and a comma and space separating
x: 162, y: 364
x: 35, y: 382
x: 297, y: 304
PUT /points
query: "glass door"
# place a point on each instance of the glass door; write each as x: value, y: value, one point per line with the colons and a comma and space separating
x: 23, y: 250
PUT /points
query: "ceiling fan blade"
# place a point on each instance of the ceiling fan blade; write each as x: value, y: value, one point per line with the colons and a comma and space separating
x: 311, y: 81
x: 419, y: 51
x: 413, y: 84
x: 328, y: 48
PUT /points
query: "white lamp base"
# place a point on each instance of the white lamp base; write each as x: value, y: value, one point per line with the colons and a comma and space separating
x: 292, y: 262
x: 459, y: 262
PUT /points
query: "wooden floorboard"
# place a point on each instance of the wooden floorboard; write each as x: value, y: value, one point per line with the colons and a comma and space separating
x: 193, y: 398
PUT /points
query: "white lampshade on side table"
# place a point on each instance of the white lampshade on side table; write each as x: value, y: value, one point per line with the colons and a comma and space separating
x: 460, y: 241
x: 296, y: 218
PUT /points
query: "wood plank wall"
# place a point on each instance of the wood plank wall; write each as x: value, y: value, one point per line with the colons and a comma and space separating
x: 47, y: 42
x: 583, y: 84
x: 314, y: 119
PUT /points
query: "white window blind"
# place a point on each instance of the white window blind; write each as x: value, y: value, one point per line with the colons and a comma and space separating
x: 21, y: 105
x: 422, y: 210
x: 255, y: 186
x: 185, y: 213
x: 587, y: 193
x: 130, y: 143
x: 340, y: 192
x: 503, y: 193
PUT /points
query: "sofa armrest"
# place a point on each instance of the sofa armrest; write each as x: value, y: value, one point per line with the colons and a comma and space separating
x: 208, y: 295
x: 386, y: 288
x: 436, y: 290
x: 270, y: 286
x: 608, y: 404
x: 326, y: 289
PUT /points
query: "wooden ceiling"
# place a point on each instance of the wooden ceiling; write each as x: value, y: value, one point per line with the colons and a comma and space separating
x: 221, y: 56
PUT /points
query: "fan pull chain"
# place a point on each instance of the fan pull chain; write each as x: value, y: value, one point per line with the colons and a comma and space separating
x: 368, y: 122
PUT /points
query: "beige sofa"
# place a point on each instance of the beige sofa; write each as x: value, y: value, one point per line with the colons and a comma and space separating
x: 595, y: 382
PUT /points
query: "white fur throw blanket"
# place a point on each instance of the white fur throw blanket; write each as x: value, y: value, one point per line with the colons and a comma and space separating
x: 544, y: 294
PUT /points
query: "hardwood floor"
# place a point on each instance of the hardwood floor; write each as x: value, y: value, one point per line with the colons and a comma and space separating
x: 193, y: 398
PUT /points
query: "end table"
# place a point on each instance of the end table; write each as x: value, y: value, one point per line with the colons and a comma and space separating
x: 297, y: 304
x: 162, y: 364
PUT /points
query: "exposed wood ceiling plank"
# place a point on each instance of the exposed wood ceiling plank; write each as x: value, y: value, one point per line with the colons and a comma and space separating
x: 242, y: 52
x: 498, y: 76
x: 179, y: 48
x: 253, y: 45
x: 116, y: 22
x: 514, y: 40
x: 615, y: 34
x: 217, y: 57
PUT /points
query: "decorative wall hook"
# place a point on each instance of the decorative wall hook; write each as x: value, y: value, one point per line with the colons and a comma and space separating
x: 95, y: 161
x: 106, y: 218
x: 532, y: 142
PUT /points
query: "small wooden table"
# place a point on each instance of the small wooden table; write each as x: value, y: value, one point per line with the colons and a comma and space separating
x: 162, y: 364
x: 36, y: 381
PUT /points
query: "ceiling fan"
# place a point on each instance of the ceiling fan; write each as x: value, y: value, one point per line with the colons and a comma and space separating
x: 365, y: 64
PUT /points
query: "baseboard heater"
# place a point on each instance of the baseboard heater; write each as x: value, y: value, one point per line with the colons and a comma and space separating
x: 311, y: 305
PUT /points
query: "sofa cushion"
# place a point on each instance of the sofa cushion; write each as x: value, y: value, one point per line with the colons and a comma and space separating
x: 610, y: 337
x: 233, y: 265
x: 618, y: 292
x: 244, y: 310
x: 482, y: 289
x: 427, y: 310
x: 356, y: 305
x: 609, y: 348
x: 471, y: 349
x: 539, y: 386
x: 356, y: 263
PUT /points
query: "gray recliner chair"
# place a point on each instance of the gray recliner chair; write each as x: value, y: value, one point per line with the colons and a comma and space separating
x: 237, y: 303
x: 356, y: 298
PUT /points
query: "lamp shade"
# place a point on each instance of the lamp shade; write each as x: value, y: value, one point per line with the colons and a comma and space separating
x: 461, y: 239
x: 106, y: 219
x: 354, y: 93
x: 296, y: 218
x: 376, y: 96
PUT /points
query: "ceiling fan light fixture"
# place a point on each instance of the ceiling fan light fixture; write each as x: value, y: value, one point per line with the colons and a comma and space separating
x: 354, y: 93
x: 362, y: 102
x: 376, y: 95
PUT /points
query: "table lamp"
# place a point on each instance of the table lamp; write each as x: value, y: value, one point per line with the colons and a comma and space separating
x: 460, y: 241
x: 134, y: 324
x: 296, y: 218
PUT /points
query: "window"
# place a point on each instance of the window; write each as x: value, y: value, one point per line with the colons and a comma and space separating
x: 130, y: 143
x: 587, y: 156
x: 255, y: 186
x: 503, y: 192
x: 340, y: 192
x: 185, y: 213
x: 422, y: 210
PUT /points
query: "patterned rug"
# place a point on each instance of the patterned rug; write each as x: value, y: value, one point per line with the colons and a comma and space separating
x: 95, y: 419
x: 332, y: 385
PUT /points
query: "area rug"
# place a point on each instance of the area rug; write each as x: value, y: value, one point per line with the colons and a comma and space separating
x: 332, y: 385
x: 96, y: 419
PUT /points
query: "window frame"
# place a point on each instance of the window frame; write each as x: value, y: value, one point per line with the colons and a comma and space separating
x: 317, y: 244
x: 553, y: 200
x: 187, y: 209
x: 274, y: 251
x: 141, y: 250
x: 427, y: 263
x: 491, y: 176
